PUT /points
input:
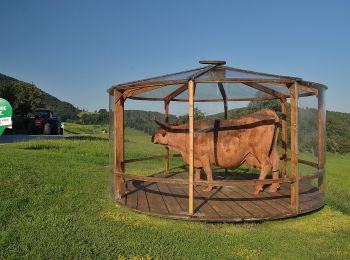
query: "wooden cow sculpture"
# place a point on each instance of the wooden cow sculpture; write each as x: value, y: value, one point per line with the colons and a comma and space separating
x: 251, y: 139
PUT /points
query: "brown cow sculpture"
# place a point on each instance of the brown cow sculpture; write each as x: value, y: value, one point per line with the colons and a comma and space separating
x: 251, y: 139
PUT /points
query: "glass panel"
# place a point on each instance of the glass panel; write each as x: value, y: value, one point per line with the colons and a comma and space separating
x: 175, y: 76
x: 161, y: 92
x: 239, y: 74
x: 183, y: 95
x: 307, y: 128
x: 226, y: 139
x: 140, y: 126
x: 221, y: 73
x: 307, y: 142
x: 210, y: 91
x: 279, y: 88
x: 282, y: 89
x: 207, y: 91
x: 240, y: 90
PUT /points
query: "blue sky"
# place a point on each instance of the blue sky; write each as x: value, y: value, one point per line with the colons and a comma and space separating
x: 75, y: 50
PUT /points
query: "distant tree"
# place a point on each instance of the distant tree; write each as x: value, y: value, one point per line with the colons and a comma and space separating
x: 103, y: 116
x: 100, y: 117
x: 274, y: 105
x: 144, y: 120
x: 197, y: 115
x: 23, y: 97
x: 8, y: 93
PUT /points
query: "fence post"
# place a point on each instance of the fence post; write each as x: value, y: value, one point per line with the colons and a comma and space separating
x: 118, y: 142
x: 294, y: 190
x: 191, y: 146
x: 321, y: 138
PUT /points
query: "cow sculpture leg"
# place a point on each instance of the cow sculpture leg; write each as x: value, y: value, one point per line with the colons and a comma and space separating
x: 197, y: 174
x: 274, y: 186
x: 207, y: 168
x: 275, y: 170
x: 265, y: 168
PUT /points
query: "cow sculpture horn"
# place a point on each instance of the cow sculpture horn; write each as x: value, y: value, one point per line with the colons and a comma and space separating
x: 177, y: 121
x: 160, y: 124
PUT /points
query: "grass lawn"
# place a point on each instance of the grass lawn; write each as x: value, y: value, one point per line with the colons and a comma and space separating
x: 55, y: 203
x: 72, y: 128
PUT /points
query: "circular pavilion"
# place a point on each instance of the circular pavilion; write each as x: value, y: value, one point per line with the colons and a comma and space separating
x: 154, y: 179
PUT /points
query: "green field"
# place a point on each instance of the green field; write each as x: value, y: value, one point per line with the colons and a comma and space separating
x: 55, y: 203
x: 72, y: 128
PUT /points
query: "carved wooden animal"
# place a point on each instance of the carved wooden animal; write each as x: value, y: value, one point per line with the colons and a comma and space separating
x: 251, y: 139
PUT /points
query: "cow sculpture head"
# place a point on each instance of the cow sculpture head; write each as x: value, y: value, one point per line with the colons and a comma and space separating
x: 160, y: 137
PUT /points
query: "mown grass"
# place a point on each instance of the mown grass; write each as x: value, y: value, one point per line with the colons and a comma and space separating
x: 55, y: 203
x: 73, y: 128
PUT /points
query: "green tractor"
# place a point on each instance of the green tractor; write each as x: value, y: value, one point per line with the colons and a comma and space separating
x: 45, y: 123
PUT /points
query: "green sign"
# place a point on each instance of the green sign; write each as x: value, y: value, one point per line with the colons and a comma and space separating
x: 5, y: 115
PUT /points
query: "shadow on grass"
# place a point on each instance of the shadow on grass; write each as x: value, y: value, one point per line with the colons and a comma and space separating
x: 86, y: 138
x: 53, y: 146
x: 42, y: 147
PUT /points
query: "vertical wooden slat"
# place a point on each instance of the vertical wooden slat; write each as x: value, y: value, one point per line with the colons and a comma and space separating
x: 294, y: 193
x: 167, y: 159
x: 321, y: 137
x: 118, y: 141
x: 284, y: 136
x: 224, y: 98
x: 191, y: 146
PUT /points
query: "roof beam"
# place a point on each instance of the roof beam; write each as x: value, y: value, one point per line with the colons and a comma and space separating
x: 260, y: 73
x: 184, y: 87
x: 176, y: 92
x: 224, y: 97
x: 265, y: 89
x: 308, y: 89
x: 207, y: 100
x: 137, y: 91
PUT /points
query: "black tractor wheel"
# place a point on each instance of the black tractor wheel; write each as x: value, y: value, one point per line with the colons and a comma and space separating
x: 47, y: 129
x: 30, y: 128
x: 57, y: 129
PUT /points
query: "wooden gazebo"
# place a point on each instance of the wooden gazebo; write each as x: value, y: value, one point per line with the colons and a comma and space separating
x: 177, y: 195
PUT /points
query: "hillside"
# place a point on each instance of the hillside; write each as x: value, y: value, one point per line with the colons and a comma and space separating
x: 338, y: 132
x: 144, y: 120
x: 25, y: 97
x: 337, y: 125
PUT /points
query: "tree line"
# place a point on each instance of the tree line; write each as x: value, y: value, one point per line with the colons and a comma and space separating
x: 25, y: 98
x: 338, y: 124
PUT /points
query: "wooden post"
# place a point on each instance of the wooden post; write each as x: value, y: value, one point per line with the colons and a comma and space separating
x: 294, y: 190
x: 284, y: 136
x: 191, y: 146
x: 225, y: 108
x: 167, y: 159
x: 321, y: 138
x: 118, y: 141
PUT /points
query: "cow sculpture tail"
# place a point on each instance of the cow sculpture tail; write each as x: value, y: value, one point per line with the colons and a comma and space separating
x: 275, y: 134
x: 274, y: 157
x: 277, y: 130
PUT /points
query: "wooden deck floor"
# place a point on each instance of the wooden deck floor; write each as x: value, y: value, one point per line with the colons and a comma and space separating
x: 228, y: 204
